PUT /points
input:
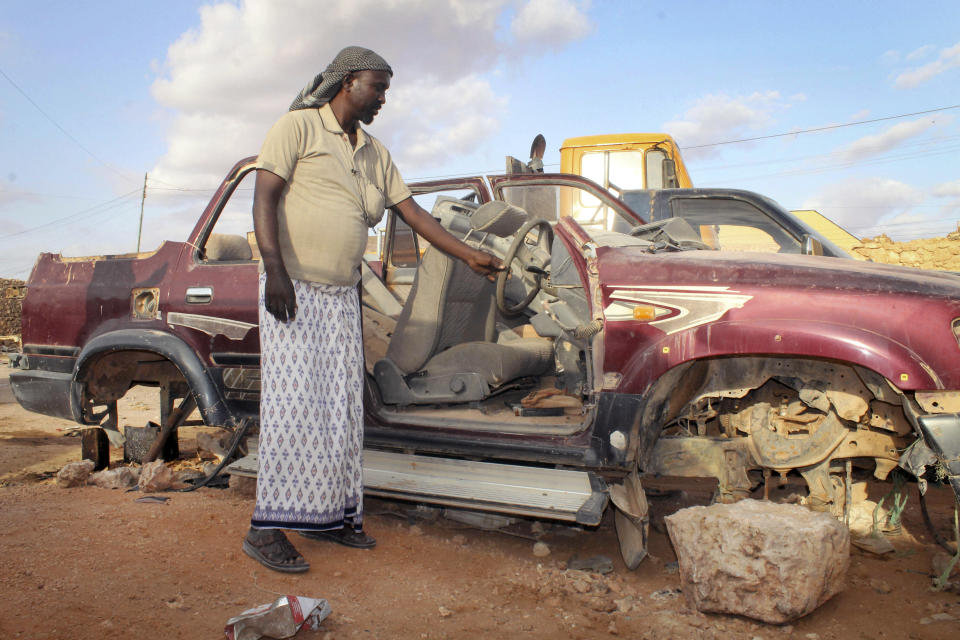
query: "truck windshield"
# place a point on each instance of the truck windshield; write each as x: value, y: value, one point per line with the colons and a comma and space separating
x: 615, y: 170
x: 729, y: 224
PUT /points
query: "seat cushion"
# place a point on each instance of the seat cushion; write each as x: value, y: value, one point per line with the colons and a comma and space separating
x: 499, y: 218
x: 222, y: 247
x: 496, y: 363
x: 449, y: 304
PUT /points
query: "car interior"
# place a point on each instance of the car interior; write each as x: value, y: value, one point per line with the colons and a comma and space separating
x: 448, y: 348
x: 499, y: 355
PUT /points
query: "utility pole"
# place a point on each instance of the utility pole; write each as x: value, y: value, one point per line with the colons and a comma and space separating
x: 142, y: 198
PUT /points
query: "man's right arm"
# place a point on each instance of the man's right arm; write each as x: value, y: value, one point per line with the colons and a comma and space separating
x: 279, y: 296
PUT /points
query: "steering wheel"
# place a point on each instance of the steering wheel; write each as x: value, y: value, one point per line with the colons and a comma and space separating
x: 546, y: 232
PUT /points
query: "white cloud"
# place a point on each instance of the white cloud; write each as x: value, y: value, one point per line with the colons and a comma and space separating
x: 921, y: 52
x: 890, y: 57
x: 428, y: 120
x: 948, y: 189
x: 550, y: 22
x: 9, y: 194
x: 889, y: 139
x: 948, y: 59
x: 225, y: 82
x: 863, y: 205
x: 719, y: 118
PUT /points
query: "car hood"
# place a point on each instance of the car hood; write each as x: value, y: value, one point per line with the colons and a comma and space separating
x: 630, y: 266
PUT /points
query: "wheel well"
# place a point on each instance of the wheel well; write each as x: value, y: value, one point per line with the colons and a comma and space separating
x: 848, y: 388
x: 107, y: 377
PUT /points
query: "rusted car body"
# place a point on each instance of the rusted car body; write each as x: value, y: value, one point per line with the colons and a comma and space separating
x: 672, y: 360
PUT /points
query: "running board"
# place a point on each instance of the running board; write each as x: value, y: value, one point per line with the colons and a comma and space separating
x: 573, y: 496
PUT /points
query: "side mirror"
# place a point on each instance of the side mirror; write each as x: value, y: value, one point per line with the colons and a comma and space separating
x: 810, y: 245
x: 670, y: 174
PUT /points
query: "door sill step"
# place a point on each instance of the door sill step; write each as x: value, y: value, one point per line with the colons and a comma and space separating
x: 558, y: 494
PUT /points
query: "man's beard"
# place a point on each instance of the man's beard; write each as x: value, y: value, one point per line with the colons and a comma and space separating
x: 369, y: 115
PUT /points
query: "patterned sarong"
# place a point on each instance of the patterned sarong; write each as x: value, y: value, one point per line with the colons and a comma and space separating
x: 311, y: 412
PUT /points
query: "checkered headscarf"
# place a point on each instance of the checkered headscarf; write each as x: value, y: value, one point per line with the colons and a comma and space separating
x: 324, y: 86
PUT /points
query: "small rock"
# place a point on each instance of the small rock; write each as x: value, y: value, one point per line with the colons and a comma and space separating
x: 603, y: 605
x: 812, y: 636
x: 612, y: 628
x: 874, y: 544
x: 665, y: 594
x: 444, y: 612
x: 942, y: 617
x: 940, y: 561
x: 155, y: 476
x: 925, y: 620
x: 541, y: 549
x: 537, y: 528
x: 880, y: 586
x: 595, y: 564
x: 210, y: 445
x: 459, y: 540
x: 119, y: 478
x: 243, y: 486
x: 75, y: 474
x: 422, y: 513
x: 185, y: 475
x: 580, y: 585
x: 338, y: 574
x: 416, y: 530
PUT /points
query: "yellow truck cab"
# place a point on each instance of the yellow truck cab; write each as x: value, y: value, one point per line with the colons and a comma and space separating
x: 621, y: 161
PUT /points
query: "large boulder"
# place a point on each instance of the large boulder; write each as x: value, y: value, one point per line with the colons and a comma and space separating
x: 156, y: 476
x: 767, y: 561
x: 75, y: 474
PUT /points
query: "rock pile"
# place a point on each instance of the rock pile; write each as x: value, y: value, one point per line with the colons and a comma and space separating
x: 11, y: 301
x: 931, y: 253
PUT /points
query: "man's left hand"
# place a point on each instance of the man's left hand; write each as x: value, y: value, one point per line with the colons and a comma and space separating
x: 484, y: 263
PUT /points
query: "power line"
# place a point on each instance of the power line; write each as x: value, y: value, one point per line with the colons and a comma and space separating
x: 846, y: 165
x: 827, y: 128
x: 715, y: 144
x: 928, y: 142
x: 62, y: 130
x: 92, y: 211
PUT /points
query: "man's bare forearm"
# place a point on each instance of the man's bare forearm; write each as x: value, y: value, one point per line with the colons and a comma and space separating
x: 426, y: 225
x: 279, y: 297
x: 266, y: 197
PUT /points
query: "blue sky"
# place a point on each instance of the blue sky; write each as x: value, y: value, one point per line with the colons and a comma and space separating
x: 93, y: 95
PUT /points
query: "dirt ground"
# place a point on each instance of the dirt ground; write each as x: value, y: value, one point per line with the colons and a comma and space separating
x: 87, y: 563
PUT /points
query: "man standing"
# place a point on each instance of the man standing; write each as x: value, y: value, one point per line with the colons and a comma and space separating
x: 322, y: 181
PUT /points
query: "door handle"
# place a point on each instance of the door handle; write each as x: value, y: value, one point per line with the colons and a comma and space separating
x: 199, y: 295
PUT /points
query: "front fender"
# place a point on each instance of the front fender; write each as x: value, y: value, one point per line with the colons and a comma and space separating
x: 210, y: 400
x: 795, y: 338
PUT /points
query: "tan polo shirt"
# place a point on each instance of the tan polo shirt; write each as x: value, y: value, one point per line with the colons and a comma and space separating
x: 334, y: 193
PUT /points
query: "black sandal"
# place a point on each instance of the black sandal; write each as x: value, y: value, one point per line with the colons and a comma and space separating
x: 346, y: 537
x: 271, y: 548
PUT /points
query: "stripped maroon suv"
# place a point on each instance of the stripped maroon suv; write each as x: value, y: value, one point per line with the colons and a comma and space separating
x: 618, y: 353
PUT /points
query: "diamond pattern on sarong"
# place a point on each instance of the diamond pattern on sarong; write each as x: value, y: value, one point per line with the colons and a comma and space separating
x: 311, y: 412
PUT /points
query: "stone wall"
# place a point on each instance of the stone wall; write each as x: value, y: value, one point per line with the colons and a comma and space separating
x: 11, y: 300
x: 931, y: 253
